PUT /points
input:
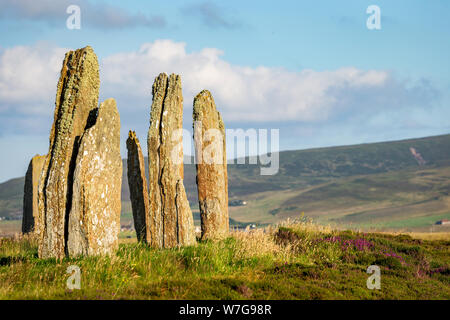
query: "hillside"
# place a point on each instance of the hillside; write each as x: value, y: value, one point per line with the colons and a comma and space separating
x: 363, y: 185
x: 11, y: 198
x: 407, y: 200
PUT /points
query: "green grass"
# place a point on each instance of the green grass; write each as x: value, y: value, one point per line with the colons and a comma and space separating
x: 260, y: 206
x: 417, y: 222
x: 294, y: 261
x: 407, y: 224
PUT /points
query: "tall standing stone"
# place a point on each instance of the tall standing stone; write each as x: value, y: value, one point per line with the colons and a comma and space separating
x: 212, y: 181
x: 171, y: 221
x: 30, y: 195
x: 76, y: 101
x: 137, y: 183
x: 94, y: 218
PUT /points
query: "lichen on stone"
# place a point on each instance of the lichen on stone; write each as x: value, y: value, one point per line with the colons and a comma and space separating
x: 212, y: 178
x: 171, y: 221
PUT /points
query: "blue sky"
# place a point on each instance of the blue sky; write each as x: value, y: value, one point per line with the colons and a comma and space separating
x: 310, y: 68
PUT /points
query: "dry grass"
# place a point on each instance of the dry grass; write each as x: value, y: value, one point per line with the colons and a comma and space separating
x: 305, y: 225
x: 260, y: 243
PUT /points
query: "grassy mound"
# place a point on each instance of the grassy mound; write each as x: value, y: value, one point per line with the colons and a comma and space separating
x: 294, y: 260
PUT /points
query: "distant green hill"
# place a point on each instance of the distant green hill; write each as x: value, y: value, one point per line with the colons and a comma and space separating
x: 11, y: 198
x: 412, y: 200
x: 304, y: 168
x: 321, y: 182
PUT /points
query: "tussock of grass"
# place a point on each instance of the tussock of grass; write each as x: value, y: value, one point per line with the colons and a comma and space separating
x: 293, y: 260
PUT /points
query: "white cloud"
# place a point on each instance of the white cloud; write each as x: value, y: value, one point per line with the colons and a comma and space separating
x: 28, y: 78
x: 242, y: 93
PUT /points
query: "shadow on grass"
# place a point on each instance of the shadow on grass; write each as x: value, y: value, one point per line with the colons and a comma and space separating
x: 7, y: 261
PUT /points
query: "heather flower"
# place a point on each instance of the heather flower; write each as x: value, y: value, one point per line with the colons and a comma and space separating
x: 359, y: 244
x: 394, y: 255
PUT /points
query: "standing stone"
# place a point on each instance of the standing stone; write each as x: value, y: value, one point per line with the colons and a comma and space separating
x: 212, y: 181
x: 76, y: 102
x: 137, y: 183
x: 171, y: 221
x: 30, y: 195
x: 94, y: 219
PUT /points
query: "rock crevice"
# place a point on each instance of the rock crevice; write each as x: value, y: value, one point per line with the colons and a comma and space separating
x: 171, y: 221
x: 83, y: 157
x: 94, y: 218
x: 212, y: 181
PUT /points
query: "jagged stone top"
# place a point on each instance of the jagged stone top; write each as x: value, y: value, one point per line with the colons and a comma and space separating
x: 108, y: 109
x: 78, y: 84
x: 132, y: 135
x: 132, y: 138
x: 204, y: 105
x: 167, y: 93
x: 162, y: 82
x: 82, y: 61
x: 205, y: 94
x: 159, y: 93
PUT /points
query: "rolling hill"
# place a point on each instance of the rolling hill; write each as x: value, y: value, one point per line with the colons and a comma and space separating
x: 397, y: 184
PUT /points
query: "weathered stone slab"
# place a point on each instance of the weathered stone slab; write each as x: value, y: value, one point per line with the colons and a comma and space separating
x: 137, y: 183
x: 94, y: 219
x: 171, y: 221
x: 212, y: 181
x: 30, y: 195
x: 76, y: 99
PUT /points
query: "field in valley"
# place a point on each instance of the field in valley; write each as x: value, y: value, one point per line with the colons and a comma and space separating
x: 404, y: 200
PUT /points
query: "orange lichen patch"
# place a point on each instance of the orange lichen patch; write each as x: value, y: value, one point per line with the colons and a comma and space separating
x: 171, y: 220
x: 212, y: 180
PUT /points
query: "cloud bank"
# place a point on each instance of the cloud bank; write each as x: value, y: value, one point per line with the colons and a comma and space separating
x: 28, y: 77
x: 262, y: 94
